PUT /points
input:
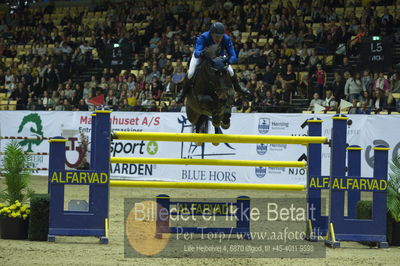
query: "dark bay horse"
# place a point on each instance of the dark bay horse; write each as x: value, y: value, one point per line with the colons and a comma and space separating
x: 211, y: 95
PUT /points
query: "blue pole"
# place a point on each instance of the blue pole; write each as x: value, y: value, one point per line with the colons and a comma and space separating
x: 379, y: 197
x: 353, y: 170
x: 318, y: 224
x: 338, y: 166
x: 55, y: 189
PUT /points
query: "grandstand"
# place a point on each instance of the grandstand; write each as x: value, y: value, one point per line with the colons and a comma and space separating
x: 54, y: 54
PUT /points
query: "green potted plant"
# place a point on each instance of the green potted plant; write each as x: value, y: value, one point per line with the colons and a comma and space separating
x: 14, y: 215
x: 393, y: 202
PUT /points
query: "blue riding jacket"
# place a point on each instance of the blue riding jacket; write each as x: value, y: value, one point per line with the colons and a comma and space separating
x: 205, y: 40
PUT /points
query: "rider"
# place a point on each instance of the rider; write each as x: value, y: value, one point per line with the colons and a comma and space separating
x: 215, y: 35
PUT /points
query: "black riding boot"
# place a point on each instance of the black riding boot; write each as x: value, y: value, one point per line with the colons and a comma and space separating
x: 186, y: 84
x: 237, y: 87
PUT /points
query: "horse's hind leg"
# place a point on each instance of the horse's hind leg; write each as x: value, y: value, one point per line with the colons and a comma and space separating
x: 217, y: 130
x: 202, y: 124
x: 193, y: 116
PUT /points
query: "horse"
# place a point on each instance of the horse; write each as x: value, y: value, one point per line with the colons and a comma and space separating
x: 211, y: 95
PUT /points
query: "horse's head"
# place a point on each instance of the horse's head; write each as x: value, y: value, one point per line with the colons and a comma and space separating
x: 214, y: 72
x: 212, y: 51
x: 217, y: 63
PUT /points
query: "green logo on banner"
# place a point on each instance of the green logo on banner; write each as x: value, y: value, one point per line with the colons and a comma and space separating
x: 36, y: 130
x: 152, y: 147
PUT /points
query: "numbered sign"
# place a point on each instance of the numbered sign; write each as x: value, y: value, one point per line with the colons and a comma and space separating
x: 376, y: 53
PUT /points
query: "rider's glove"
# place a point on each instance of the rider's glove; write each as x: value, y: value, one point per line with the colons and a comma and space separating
x: 218, y: 63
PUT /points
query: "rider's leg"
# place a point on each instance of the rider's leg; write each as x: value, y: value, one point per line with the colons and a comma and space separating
x: 186, y: 83
x: 235, y: 82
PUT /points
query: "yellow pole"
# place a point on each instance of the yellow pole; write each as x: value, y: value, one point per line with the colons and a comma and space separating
x: 216, y: 138
x: 132, y: 160
x: 158, y: 184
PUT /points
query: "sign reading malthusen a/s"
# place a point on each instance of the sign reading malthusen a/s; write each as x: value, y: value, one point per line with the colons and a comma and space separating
x: 78, y: 177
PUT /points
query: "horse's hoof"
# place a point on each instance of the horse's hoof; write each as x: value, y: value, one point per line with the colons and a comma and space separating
x: 225, y: 126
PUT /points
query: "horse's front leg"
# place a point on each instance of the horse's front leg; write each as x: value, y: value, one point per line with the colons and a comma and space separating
x: 216, y: 120
x: 226, y: 120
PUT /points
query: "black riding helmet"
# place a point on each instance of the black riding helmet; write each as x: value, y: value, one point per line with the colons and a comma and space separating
x: 217, y: 29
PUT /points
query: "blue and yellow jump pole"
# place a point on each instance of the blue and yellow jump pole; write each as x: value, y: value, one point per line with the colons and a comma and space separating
x: 94, y: 221
x: 338, y: 227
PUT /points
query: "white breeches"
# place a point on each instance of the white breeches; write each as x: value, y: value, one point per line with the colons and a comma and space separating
x: 194, y: 62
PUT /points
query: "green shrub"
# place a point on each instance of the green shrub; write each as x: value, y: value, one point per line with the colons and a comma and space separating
x: 39, y: 219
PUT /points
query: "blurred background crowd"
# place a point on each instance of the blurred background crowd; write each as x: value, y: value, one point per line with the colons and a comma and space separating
x: 133, y: 55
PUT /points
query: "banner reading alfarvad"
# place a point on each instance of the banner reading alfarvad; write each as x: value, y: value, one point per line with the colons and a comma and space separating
x: 365, y: 131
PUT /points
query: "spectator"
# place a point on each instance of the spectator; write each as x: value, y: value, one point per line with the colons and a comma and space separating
x: 289, y: 79
x: 111, y: 100
x: 354, y: 108
x: 53, y: 100
x: 379, y: 101
x: 125, y: 106
x: 364, y: 109
x: 173, y: 107
x: 20, y: 95
x: 9, y: 81
x: 320, y: 77
x: 132, y: 98
x: 330, y: 102
x: 381, y: 83
x: 136, y: 62
x: 314, y: 101
x: 67, y: 105
x: 168, y: 87
x: 268, y: 77
x: 153, y: 107
x: 346, y: 66
x: 366, y: 98
x: 395, y: 83
x: 312, y: 61
x: 305, y: 88
x: 156, y: 89
x: 44, y: 67
x: 253, y: 53
x: 367, y: 81
x: 178, y: 75
x: 154, y: 73
x: 163, y: 107
x: 74, y: 99
x: 244, y: 53
x: 268, y: 102
x: 30, y: 104
x: 86, y: 90
x: 82, y: 106
x: 353, y: 87
x: 39, y: 106
x: 138, y: 107
x: 59, y: 105
x: 46, y: 100
x: 244, y: 108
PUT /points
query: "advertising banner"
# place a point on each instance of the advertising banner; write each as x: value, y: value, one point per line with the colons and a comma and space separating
x: 363, y: 130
